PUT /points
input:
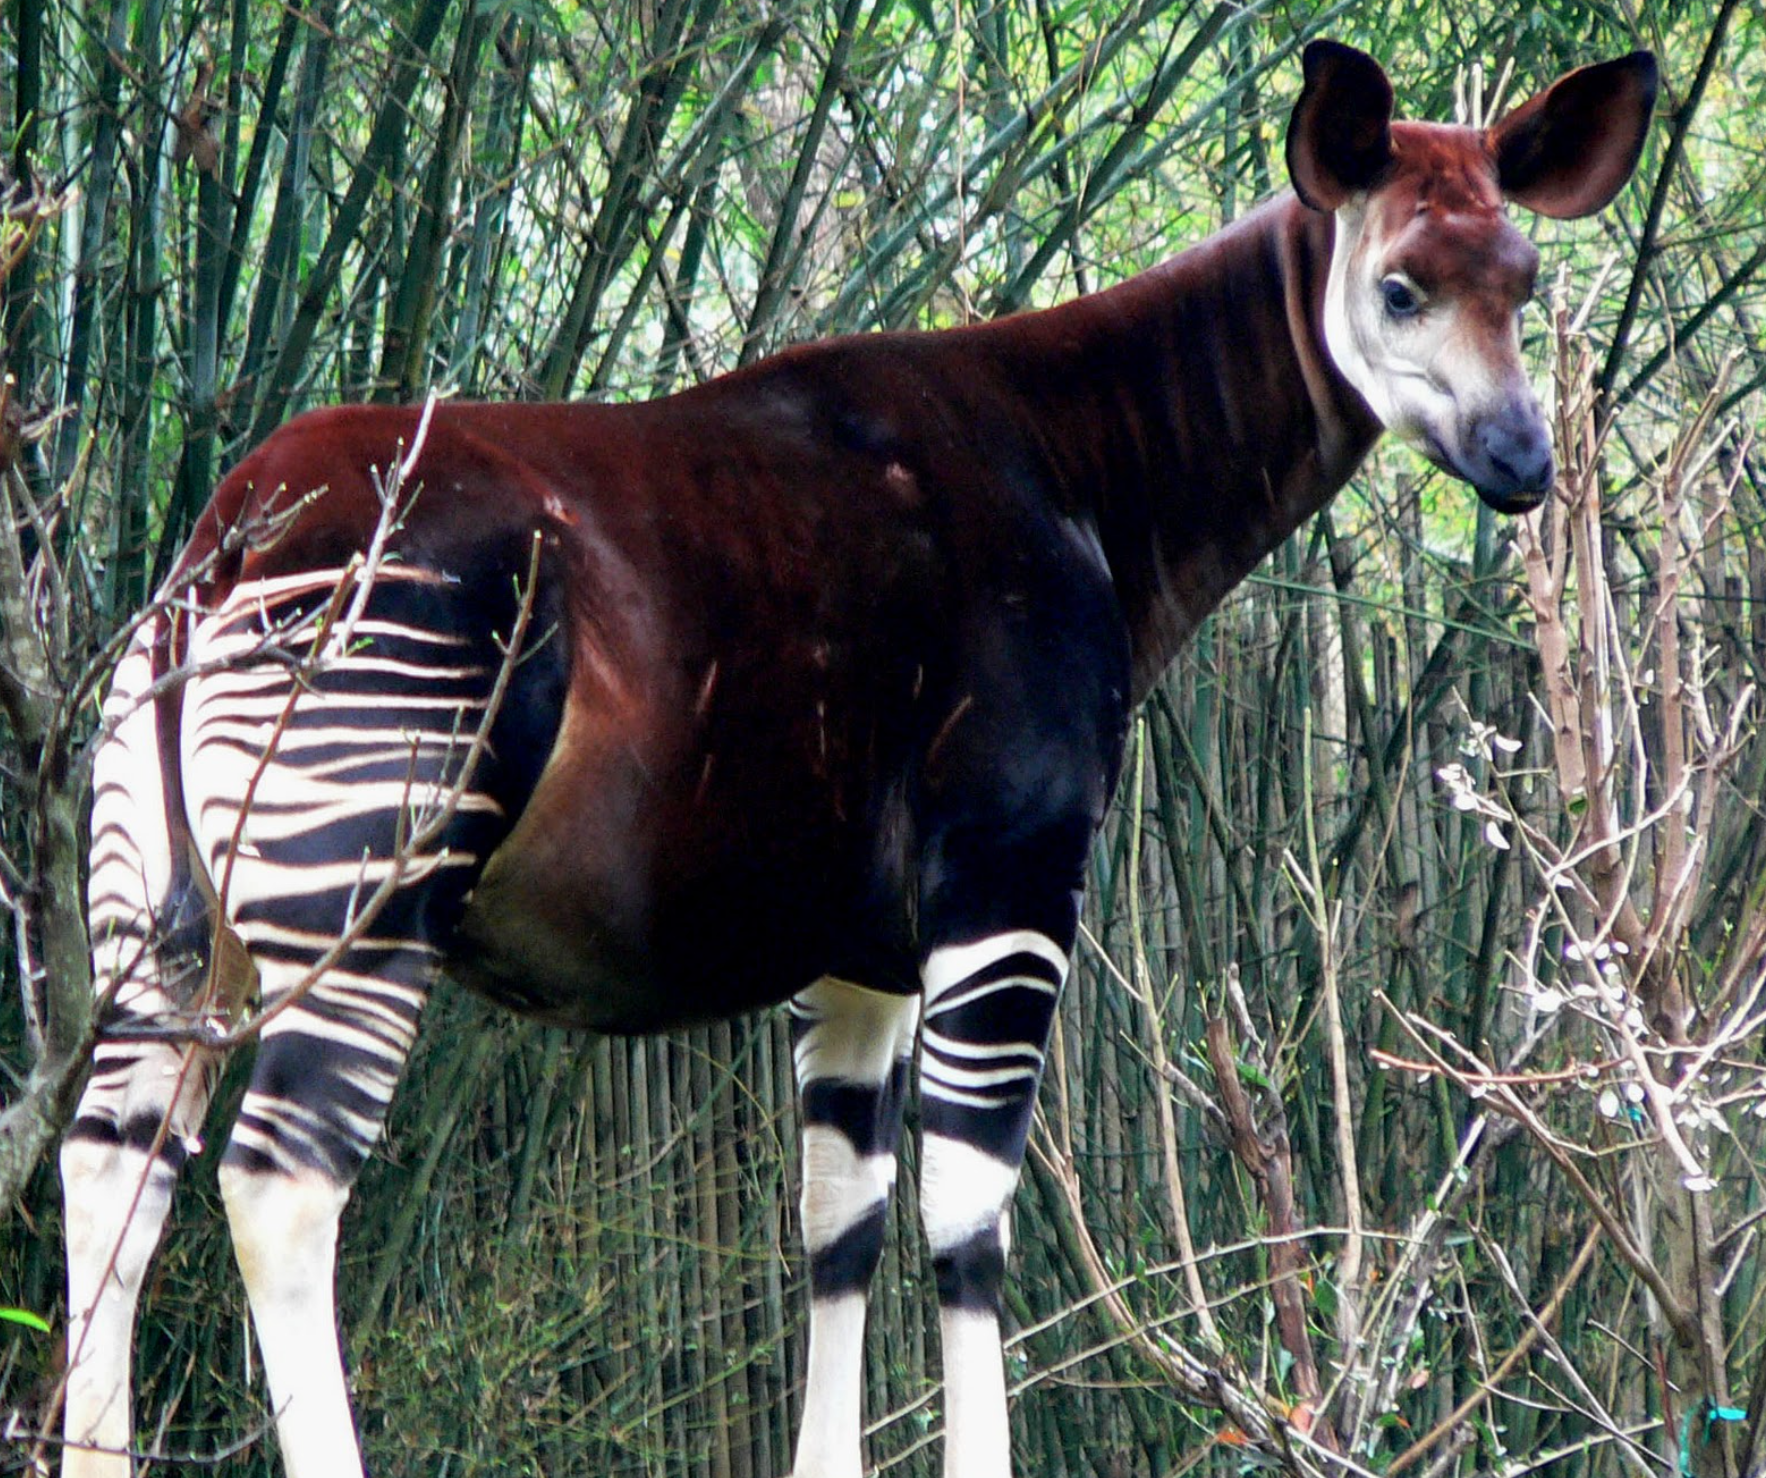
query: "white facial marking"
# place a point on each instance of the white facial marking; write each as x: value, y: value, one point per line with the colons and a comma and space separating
x: 1387, y: 363
x: 1413, y: 357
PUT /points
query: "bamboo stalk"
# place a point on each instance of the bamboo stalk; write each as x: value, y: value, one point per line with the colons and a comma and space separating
x: 94, y: 242
x: 278, y: 271
x: 406, y: 337
x: 384, y: 151
x: 661, y: 81
x: 783, y: 252
x: 18, y: 296
x: 500, y: 153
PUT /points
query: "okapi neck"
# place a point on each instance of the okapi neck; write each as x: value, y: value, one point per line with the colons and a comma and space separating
x: 1196, y: 416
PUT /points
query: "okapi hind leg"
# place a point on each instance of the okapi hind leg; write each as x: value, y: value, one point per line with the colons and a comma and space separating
x: 336, y: 812
x: 136, y: 1126
x: 324, y: 1075
x: 143, y: 1106
x: 853, y: 1050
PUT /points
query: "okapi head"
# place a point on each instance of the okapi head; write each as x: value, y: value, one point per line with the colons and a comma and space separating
x: 1428, y: 276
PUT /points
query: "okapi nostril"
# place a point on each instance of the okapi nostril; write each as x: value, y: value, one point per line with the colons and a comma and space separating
x: 1520, y: 457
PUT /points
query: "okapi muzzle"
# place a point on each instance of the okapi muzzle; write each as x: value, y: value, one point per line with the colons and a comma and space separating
x: 1428, y: 276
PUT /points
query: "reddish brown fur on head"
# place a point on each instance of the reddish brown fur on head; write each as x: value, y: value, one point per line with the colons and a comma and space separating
x: 1428, y: 274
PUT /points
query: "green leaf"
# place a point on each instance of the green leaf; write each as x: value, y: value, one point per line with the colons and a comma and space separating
x: 26, y: 1318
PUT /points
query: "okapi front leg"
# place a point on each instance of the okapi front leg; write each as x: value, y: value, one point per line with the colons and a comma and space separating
x: 988, y: 1007
x: 853, y: 1050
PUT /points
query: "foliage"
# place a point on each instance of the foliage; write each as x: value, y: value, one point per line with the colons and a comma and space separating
x: 1436, y: 881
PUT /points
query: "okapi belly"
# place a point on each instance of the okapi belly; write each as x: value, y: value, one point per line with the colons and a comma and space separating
x: 684, y: 971
x: 655, y: 945
x: 579, y: 980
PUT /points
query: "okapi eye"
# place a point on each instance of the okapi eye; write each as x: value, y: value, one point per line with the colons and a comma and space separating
x: 1400, y: 297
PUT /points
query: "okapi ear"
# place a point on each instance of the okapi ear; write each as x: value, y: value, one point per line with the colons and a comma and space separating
x: 1569, y: 150
x: 1340, y: 137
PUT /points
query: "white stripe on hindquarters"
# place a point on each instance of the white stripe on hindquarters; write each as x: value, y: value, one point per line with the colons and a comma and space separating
x: 132, y: 863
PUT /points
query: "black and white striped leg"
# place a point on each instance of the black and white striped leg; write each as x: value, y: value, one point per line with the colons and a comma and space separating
x: 988, y: 1008
x: 119, y: 1166
x: 320, y: 1086
x: 853, y: 1051
x: 303, y: 814
x: 143, y: 1105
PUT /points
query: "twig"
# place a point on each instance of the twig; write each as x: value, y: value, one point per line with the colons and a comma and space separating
x: 1326, y: 918
x: 1269, y: 1164
x: 1266, y: 1431
x: 1488, y: 1386
x: 393, y: 509
x: 1505, y: 1099
x: 1491, y: 1080
x: 1143, y: 990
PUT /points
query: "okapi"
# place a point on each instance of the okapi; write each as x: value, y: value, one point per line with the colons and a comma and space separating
x: 809, y: 683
